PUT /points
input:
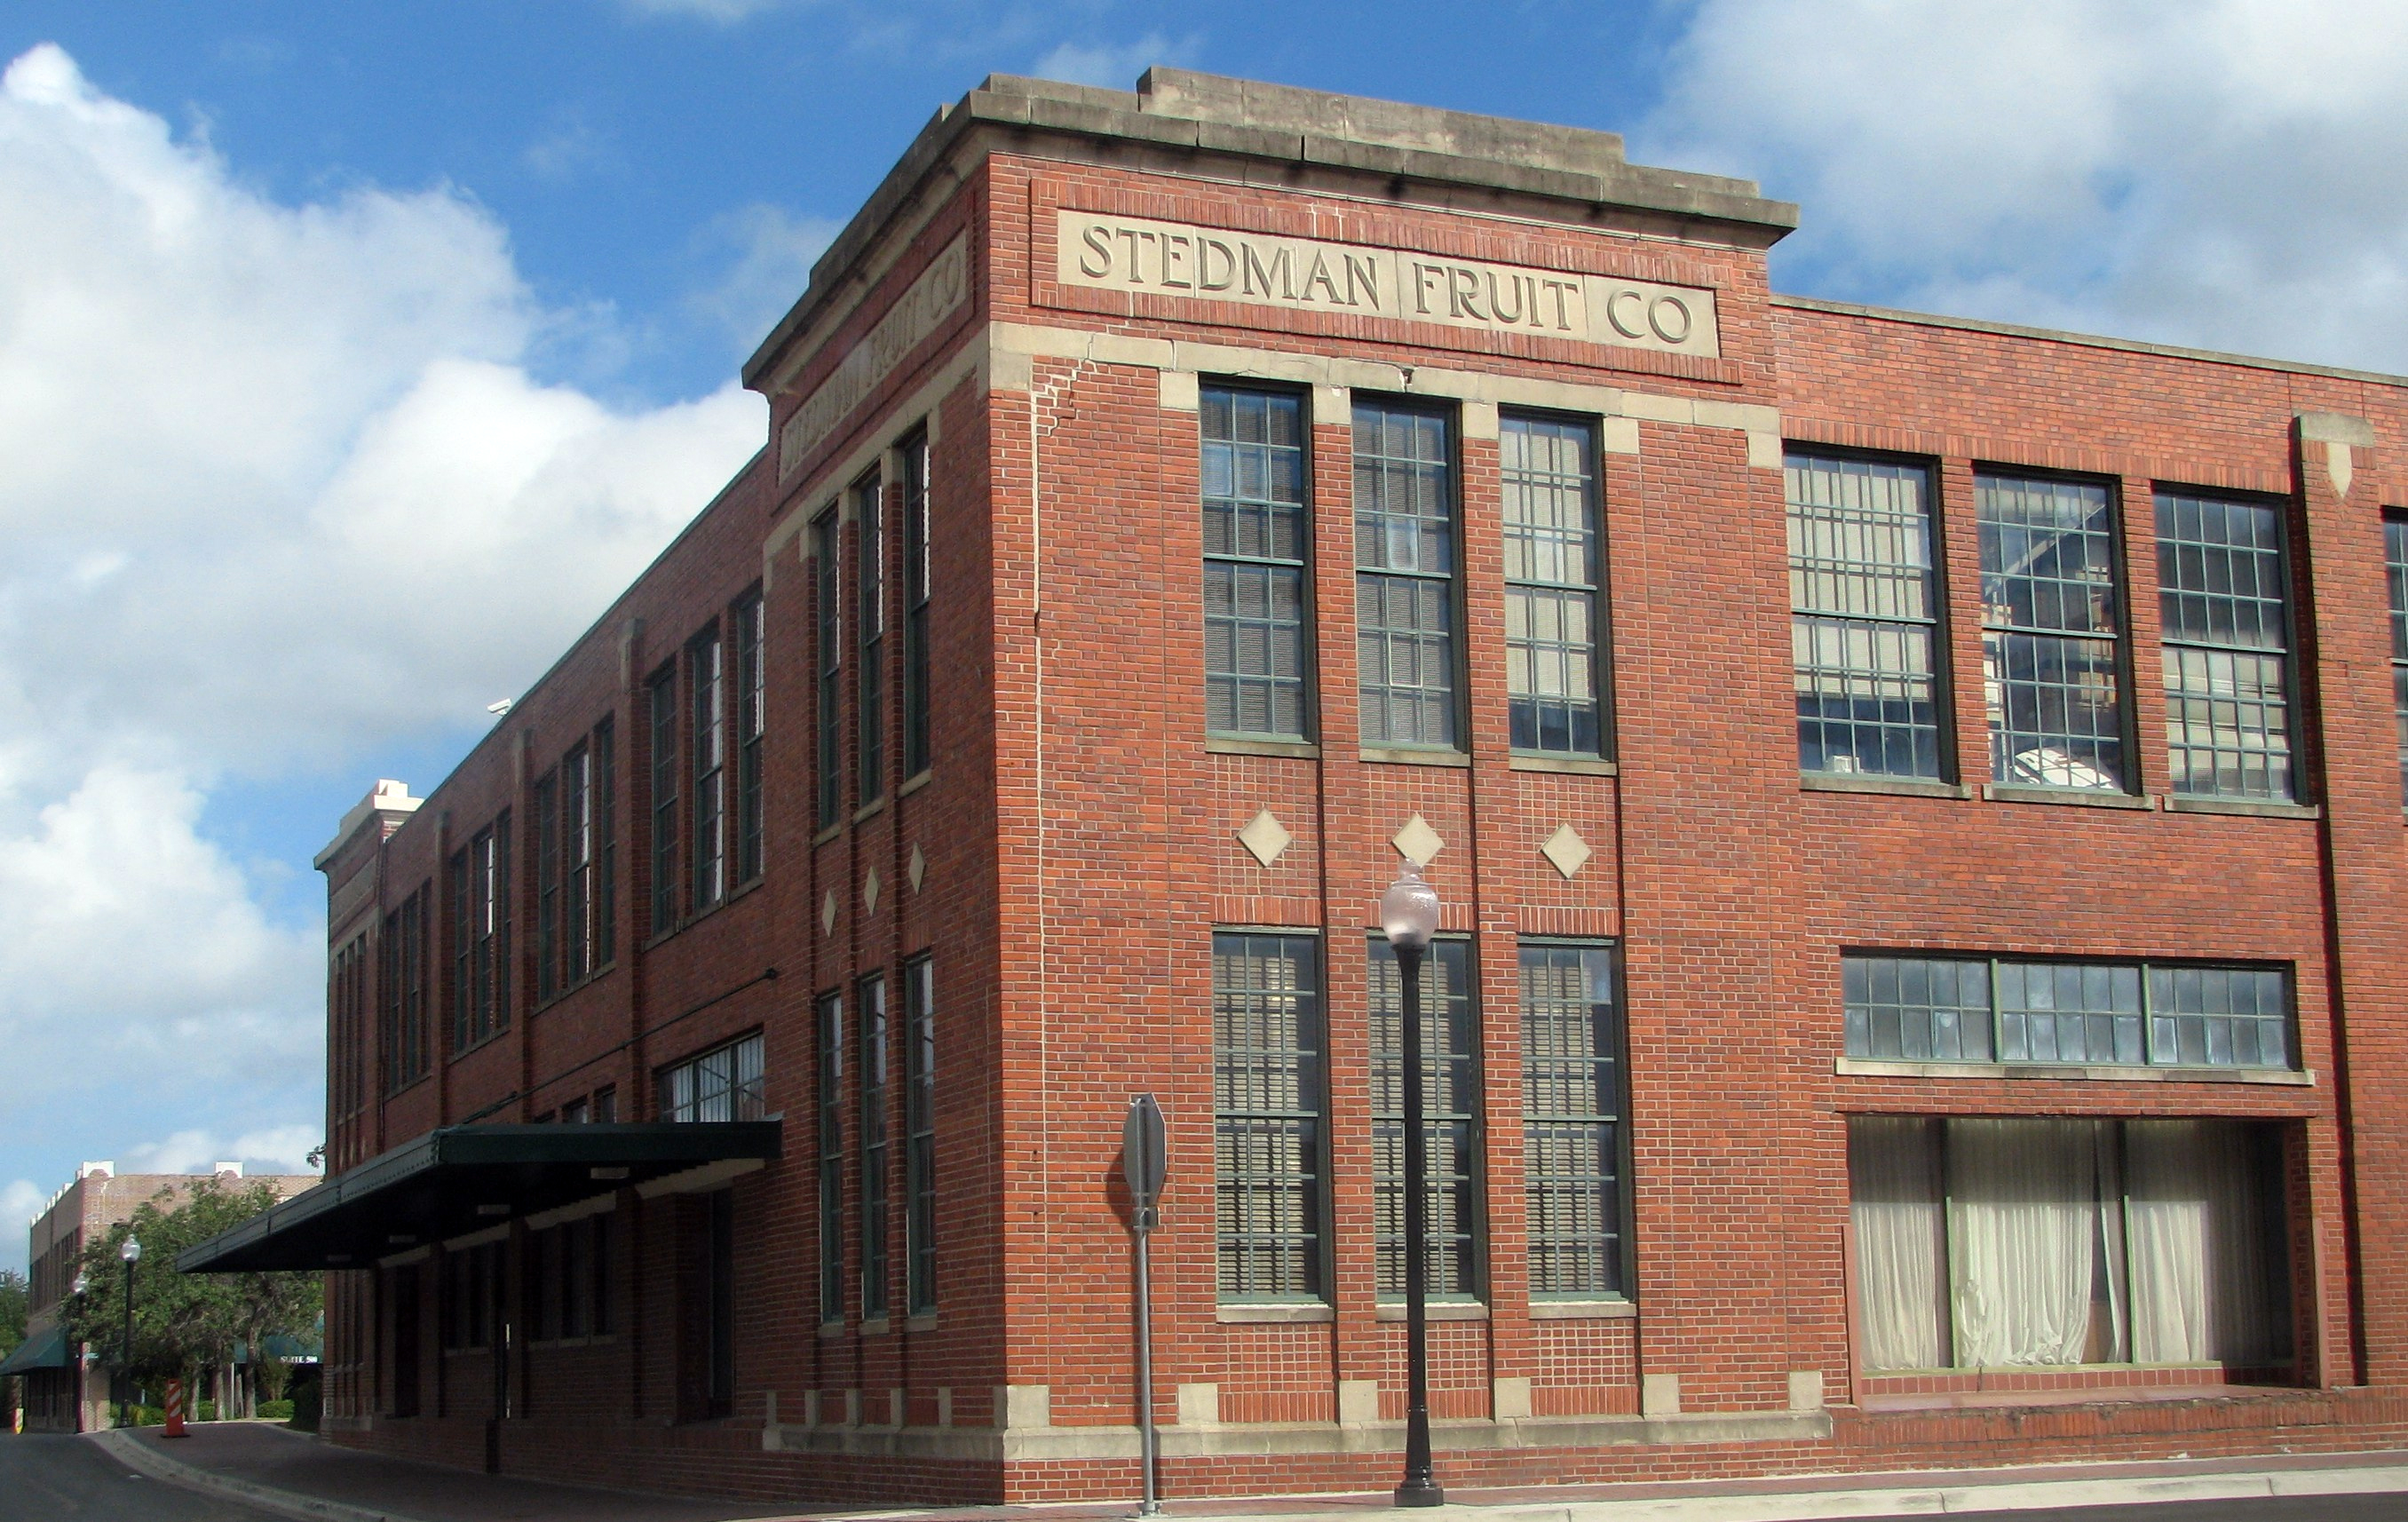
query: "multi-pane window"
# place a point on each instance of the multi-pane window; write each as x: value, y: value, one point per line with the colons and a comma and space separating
x: 1270, y: 1111
x: 2226, y: 645
x: 2395, y: 563
x: 2033, y: 1244
x: 1864, y: 616
x: 577, y: 864
x: 1555, y: 672
x: 706, y: 689
x: 405, y: 993
x: 869, y: 627
x: 751, y: 620
x: 605, y: 814
x: 829, y: 1101
x: 1572, y: 1120
x: 920, y: 1132
x: 1921, y: 1009
x: 826, y: 580
x: 876, y: 1046
x: 547, y: 885
x: 1450, y: 1117
x: 347, y: 1006
x: 919, y: 752
x: 664, y: 801
x: 568, y: 1276
x: 481, y: 898
x: 1405, y: 567
x: 2051, y: 629
x: 1254, y: 537
x: 722, y: 1083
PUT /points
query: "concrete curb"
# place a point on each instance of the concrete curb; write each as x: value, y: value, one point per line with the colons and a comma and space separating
x: 136, y: 1455
x: 1928, y: 1501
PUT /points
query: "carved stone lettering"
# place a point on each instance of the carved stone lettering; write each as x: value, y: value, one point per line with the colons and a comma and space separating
x: 1106, y: 253
x: 939, y: 291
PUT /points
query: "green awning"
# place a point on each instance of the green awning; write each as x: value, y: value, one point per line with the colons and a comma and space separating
x: 43, y: 1350
x: 460, y: 1179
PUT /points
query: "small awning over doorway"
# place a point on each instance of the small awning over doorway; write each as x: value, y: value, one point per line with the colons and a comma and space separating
x: 460, y: 1179
x: 45, y: 1349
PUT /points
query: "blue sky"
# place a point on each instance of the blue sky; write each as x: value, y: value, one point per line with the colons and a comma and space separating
x: 350, y: 357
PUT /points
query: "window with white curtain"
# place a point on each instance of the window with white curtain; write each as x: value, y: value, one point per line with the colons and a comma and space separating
x: 2024, y: 1243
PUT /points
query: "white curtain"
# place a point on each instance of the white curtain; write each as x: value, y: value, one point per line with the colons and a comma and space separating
x: 2024, y: 1237
x: 1894, y: 1203
x: 2207, y: 1280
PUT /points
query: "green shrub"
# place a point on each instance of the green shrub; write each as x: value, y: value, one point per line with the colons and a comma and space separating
x: 281, y: 1410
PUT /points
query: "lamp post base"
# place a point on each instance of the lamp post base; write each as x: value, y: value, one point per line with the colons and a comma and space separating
x: 1419, y: 1492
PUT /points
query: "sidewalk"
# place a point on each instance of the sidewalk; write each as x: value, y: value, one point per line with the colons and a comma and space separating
x: 301, y: 1476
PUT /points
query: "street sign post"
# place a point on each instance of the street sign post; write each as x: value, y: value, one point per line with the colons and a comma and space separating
x: 1144, y: 1163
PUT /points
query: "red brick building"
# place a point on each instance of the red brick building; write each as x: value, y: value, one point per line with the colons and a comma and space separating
x: 1917, y: 806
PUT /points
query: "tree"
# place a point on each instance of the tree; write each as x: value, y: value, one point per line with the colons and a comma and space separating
x: 187, y: 1322
x: 13, y: 1301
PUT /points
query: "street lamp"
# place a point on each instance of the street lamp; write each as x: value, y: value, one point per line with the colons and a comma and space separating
x: 1409, y: 914
x: 131, y: 1250
x: 81, y: 1287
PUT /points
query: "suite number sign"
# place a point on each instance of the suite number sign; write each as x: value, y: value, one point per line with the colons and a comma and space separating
x: 1178, y: 260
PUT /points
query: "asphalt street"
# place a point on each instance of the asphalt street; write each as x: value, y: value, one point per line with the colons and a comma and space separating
x: 45, y: 1478
x: 2387, y: 1508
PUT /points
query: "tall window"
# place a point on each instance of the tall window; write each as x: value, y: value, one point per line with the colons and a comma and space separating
x: 547, y: 885
x: 2395, y: 561
x: 2035, y: 1244
x: 2051, y: 626
x: 869, y: 626
x: 405, y: 993
x: 919, y: 752
x: 830, y: 1104
x: 1449, y: 1116
x: 1270, y: 1111
x: 2228, y: 640
x: 722, y: 1083
x: 920, y: 1127
x: 481, y: 896
x: 1555, y: 675
x: 577, y: 863
x: 1863, y: 628
x: 875, y: 1078
x: 1404, y: 583
x: 347, y: 1008
x: 606, y: 843
x: 664, y: 801
x: 1254, y: 537
x: 1572, y: 1120
x: 1923, y: 1008
x: 706, y: 687
x: 827, y: 579
x: 752, y: 728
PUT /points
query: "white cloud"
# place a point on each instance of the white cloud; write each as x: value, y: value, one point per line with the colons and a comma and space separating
x: 774, y: 251
x: 279, y: 1149
x: 2223, y: 173
x: 725, y: 12
x: 1114, y: 66
x: 279, y: 490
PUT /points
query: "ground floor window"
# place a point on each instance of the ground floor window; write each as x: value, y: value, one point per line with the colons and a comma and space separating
x: 2018, y: 1243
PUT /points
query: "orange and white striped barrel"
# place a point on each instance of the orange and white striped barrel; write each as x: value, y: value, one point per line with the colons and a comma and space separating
x: 175, y: 1409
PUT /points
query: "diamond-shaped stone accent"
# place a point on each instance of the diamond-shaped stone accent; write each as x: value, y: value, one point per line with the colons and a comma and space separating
x: 1266, y: 837
x: 917, y: 867
x: 870, y: 893
x: 1418, y: 842
x: 1566, y: 850
x: 828, y: 913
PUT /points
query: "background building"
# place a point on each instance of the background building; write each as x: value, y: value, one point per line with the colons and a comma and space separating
x: 1918, y: 805
x: 65, y: 1383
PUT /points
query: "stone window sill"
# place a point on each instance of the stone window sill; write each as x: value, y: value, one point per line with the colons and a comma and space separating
x: 2257, y: 808
x: 1850, y: 782
x: 1437, y: 1311
x: 2081, y: 798
x: 1302, y: 750
x: 1272, y: 1314
x: 1582, y: 1310
x: 1576, y: 766
x: 917, y: 781
x: 830, y: 833
x: 870, y: 810
x: 1883, y: 1067
x: 1401, y: 757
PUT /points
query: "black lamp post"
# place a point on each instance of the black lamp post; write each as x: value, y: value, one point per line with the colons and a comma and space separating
x: 1409, y: 914
x: 131, y: 1251
x: 82, y: 1287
